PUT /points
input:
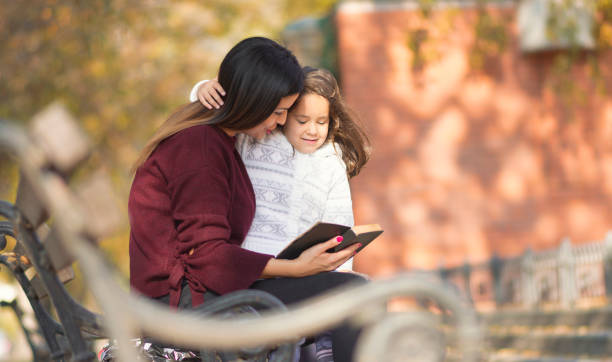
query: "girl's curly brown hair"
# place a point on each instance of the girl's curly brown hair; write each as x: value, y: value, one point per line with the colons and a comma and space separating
x: 345, y: 128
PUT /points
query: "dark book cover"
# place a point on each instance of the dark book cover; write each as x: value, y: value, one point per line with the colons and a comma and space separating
x: 321, y: 232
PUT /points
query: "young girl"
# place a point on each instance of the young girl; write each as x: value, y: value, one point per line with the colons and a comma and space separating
x: 300, y: 175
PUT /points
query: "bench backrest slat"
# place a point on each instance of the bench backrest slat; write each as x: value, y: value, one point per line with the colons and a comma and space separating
x: 29, y: 205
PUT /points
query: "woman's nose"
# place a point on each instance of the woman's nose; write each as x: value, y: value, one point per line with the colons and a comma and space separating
x: 282, y: 119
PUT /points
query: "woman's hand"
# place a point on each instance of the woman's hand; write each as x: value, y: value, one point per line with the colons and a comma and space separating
x: 314, y: 260
x: 209, y: 94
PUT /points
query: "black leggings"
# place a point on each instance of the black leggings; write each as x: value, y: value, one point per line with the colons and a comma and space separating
x: 294, y: 290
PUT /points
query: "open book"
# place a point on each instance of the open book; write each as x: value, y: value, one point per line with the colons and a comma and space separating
x: 322, y: 231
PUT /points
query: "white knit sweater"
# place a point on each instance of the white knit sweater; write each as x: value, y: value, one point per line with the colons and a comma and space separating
x: 293, y: 191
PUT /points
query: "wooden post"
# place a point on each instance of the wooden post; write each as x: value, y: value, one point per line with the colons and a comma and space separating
x: 496, y: 267
x: 568, y: 292
x: 467, y: 275
x: 29, y: 204
x: 443, y: 271
x: 607, y: 263
x: 528, y: 289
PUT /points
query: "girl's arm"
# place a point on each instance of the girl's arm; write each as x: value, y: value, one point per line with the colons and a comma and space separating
x: 209, y: 92
x: 193, y: 95
x: 339, y: 205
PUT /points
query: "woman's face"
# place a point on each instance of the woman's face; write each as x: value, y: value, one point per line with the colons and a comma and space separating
x: 308, y: 123
x: 278, y: 117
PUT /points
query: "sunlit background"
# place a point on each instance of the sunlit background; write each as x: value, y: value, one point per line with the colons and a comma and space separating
x: 491, y: 121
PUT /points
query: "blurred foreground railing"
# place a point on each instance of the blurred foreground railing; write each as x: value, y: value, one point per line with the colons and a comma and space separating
x: 50, y: 153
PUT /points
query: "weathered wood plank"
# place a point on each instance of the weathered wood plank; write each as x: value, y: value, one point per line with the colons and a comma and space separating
x: 60, y: 256
x: 29, y: 205
x: 65, y: 275
x: 60, y: 137
x: 598, y: 344
x: 596, y: 318
x: 98, y: 199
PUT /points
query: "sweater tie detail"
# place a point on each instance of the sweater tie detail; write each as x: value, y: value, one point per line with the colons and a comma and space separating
x: 174, y: 280
x: 177, y: 274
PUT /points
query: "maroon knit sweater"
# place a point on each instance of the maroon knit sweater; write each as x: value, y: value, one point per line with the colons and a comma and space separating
x: 190, y: 207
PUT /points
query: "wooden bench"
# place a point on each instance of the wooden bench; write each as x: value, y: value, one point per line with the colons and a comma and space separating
x: 43, y: 257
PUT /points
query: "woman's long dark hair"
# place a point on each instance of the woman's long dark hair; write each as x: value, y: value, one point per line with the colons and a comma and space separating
x: 345, y: 128
x: 255, y: 74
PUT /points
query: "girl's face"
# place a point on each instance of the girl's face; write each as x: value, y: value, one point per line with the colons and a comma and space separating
x: 308, y: 123
x: 278, y: 117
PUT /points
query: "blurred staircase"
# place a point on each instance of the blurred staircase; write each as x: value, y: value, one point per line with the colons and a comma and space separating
x: 559, y: 336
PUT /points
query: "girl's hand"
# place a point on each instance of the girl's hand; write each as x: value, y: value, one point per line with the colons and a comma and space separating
x: 316, y: 259
x: 209, y: 94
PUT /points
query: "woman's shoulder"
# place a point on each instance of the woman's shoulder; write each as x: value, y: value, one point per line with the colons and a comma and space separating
x: 201, y: 133
x: 194, y: 148
x: 276, y: 139
x: 274, y: 142
x: 200, y: 137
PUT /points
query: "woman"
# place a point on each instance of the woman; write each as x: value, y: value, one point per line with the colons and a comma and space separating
x: 192, y: 203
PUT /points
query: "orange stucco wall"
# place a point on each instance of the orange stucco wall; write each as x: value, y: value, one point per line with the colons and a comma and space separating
x: 470, y: 161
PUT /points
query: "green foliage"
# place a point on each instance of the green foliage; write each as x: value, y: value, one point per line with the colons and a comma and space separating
x: 490, y: 37
x: 489, y: 34
x: 561, y: 24
x: 603, y: 25
x: 297, y: 9
x: 426, y: 6
x: 122, y: 65
x: 329, y: 57
x: 416, y: 39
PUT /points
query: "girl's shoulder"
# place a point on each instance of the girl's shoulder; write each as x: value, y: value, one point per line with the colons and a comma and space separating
x: 328, y: 156
x: 328, y: 150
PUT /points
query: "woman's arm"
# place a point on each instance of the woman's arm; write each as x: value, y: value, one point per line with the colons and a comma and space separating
x: 202, y: 193
x: 204, y: 229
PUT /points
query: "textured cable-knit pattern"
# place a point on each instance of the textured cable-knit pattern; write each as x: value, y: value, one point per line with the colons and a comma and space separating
x: 292, y: 190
